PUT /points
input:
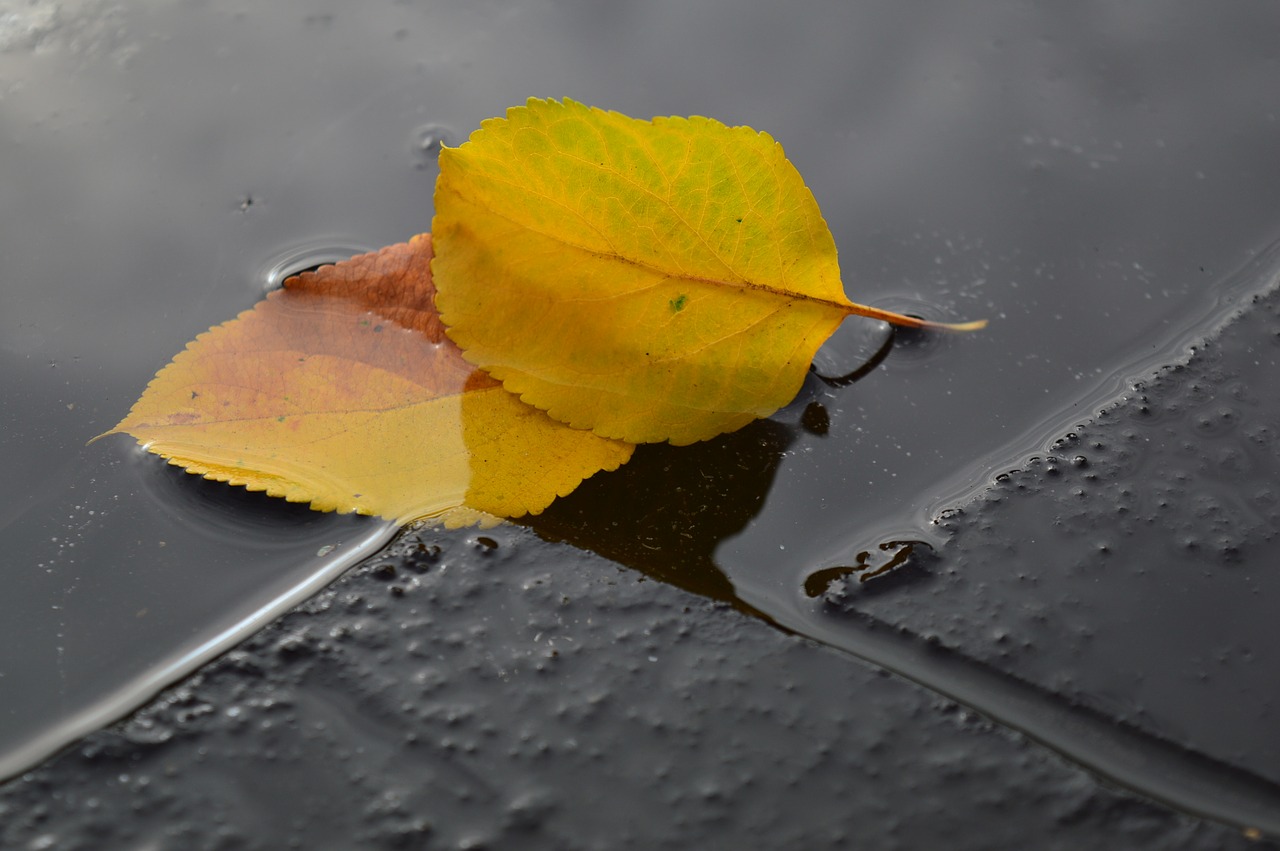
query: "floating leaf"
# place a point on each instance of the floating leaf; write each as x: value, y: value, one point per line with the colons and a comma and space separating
x: 650, y: 280
x: 341, y: 390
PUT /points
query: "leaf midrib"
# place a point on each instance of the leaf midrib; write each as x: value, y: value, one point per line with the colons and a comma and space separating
x: 789, y: 295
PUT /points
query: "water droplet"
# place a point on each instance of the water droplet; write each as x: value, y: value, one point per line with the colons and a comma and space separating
x: 815, y: 419
x: 896, y: 564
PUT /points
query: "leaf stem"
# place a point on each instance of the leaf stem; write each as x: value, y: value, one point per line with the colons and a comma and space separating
x: 904, y: 321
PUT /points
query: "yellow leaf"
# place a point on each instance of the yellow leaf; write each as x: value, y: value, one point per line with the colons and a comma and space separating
x: 650, y: 280
x: 341, y: 390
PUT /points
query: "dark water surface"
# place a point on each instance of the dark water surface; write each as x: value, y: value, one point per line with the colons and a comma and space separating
x: 1095, y: 178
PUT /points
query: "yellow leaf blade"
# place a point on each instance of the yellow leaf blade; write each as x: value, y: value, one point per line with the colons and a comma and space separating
x: 622, y: 349
x: 664, y: 280
x: 342, y: 391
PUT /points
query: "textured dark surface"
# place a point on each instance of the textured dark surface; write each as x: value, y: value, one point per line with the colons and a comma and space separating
x: 525, y: 695
x: 1133, y: 567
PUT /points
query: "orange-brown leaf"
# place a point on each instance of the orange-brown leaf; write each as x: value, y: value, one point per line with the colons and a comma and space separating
x: 342, y: 390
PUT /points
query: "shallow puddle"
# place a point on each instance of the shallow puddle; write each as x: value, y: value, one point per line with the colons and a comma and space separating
x: 1093, y: 179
